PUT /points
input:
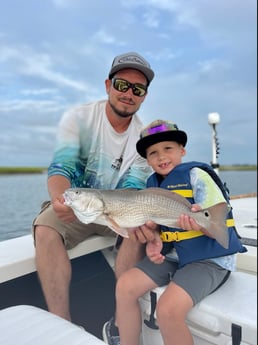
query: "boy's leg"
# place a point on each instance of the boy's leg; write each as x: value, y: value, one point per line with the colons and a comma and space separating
x: 130, y: 286
x: 129, y: 253
x: 188, y: 286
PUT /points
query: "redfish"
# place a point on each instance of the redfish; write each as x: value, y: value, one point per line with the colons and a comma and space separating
x: 122, y: 209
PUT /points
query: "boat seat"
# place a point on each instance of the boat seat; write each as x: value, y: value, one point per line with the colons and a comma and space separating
x: 17, y: 255
x: 230, y: 312
x: 28, y: 325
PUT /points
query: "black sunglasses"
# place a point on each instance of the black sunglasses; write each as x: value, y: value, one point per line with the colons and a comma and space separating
x: 122, y: 85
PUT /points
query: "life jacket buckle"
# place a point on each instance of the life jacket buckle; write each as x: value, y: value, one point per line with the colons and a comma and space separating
x: 170, y: 236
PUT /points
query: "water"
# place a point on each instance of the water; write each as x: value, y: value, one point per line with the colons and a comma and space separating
x: 22, y: 195
x: 240, y: 182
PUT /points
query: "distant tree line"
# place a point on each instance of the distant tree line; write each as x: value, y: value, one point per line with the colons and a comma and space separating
x: 39, y: 170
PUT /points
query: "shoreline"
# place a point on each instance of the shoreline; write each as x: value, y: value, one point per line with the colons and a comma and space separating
x: 241, y: 196
x: 41, y: 170
x: 22, y: 170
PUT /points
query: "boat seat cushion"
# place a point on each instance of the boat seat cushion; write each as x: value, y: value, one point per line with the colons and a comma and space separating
x: 234, y: 303
x: 28, y: 325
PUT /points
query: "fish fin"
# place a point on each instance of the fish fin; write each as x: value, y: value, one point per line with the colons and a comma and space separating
x: 115, y: 227
x: 167, y: 194
x: 86, y: 218
x: 218, y: 228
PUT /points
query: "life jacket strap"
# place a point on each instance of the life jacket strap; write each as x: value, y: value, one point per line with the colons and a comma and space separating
x: 169, y: 236
x: 176, y: 236
x: 230, y: 222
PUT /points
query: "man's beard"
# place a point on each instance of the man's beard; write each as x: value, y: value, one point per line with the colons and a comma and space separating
x: 121, y: 113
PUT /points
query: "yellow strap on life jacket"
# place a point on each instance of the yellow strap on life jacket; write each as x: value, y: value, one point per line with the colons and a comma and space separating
x: 187, y: 193
x: 169, y: 236
x: 230, y: 222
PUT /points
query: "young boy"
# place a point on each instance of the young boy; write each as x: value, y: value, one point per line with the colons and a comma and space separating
x: 195, y: 266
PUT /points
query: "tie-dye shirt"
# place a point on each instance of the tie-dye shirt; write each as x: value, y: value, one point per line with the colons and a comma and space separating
x: 91, y: 154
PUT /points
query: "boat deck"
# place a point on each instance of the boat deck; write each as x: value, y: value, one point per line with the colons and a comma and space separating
x: 93, y: 280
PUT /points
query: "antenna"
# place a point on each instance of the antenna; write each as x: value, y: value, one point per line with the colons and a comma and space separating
x: 213, y: 120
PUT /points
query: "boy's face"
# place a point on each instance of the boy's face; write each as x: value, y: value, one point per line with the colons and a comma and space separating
x: 165, y: 156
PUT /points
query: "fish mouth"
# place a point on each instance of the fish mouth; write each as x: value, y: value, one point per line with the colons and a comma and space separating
x: 67, y: 198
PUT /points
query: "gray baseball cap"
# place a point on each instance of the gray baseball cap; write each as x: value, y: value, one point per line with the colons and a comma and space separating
x: 131, y: 60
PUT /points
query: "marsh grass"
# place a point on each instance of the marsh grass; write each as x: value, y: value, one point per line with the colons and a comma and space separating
x: 38, y: 170
x: 22, y: 170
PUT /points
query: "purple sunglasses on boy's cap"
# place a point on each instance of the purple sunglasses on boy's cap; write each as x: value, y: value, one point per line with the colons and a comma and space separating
x: 159, y: 131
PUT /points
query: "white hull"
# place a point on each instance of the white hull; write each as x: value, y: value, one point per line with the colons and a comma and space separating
x: 210, y: 321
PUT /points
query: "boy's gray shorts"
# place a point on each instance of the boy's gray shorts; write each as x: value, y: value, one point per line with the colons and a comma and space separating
x: 72, y: 233
x: 198, y: 279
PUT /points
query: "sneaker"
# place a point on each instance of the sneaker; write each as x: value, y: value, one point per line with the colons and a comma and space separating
x: 110, y: 333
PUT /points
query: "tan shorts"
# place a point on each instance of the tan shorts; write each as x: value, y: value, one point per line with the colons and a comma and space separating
x: 72, y: 233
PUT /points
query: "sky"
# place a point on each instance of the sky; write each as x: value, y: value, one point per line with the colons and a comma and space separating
x: 55, y: 54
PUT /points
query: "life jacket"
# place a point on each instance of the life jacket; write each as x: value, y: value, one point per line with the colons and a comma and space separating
x: 199, y: 246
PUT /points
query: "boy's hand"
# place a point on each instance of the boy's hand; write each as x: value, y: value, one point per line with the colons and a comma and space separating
x: 153, y: 250
x: 188, y: 223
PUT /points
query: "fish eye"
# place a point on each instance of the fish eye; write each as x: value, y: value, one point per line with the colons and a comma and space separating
x: 206, y: 213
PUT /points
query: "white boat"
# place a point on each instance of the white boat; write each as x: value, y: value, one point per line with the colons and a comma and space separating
x: 228, y: 316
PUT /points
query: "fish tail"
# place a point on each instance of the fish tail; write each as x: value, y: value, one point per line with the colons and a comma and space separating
x: 218, y: 228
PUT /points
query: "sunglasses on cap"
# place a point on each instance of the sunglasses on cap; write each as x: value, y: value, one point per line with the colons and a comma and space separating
x: 122, y: 85
x: 164, y: 127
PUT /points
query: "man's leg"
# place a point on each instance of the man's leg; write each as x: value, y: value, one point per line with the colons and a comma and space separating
x: 129, y: 253
x: 54, y: 270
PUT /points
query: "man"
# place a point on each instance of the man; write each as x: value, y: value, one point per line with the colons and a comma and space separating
x: 95, y: 149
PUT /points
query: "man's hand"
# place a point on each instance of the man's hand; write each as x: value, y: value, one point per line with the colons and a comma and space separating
x: 56, y: 186
x: 62, y: 211
x: 144, y: 233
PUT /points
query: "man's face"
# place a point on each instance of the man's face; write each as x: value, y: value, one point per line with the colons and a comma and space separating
x: 127, y: 103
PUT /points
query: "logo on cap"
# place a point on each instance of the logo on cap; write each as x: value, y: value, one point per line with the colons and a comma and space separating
x: 133, y: 59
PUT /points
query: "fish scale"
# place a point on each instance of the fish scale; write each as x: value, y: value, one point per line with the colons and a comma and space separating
x: 142, y: 208
x: 122, y: 209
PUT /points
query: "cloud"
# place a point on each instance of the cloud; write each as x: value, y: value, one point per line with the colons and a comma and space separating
x: 57, y: 53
